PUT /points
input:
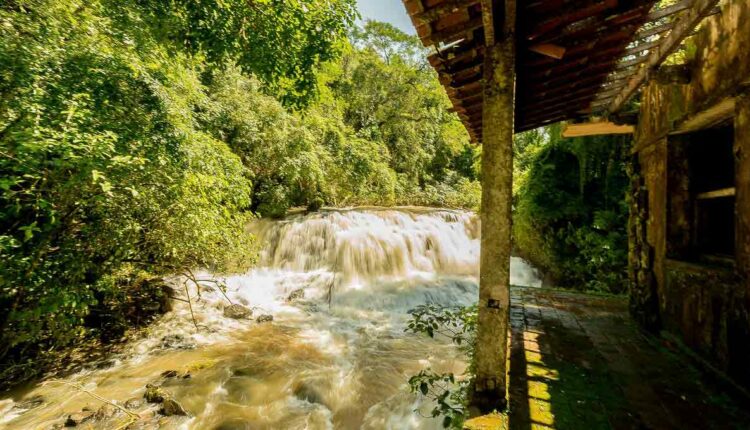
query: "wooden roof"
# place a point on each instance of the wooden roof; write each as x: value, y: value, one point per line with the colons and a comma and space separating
x: 574, y: 58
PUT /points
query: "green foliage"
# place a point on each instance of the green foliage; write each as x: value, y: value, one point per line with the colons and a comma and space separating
x: 103, y: 165
x: 570, y: 213
x: 282, y: 42
x: 385, y: 94
x: 141, y: 136
x: 448, y: 393
x: 379, y: 134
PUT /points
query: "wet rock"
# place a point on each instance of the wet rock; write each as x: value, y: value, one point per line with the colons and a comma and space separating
x: 154, y: 394
x: 30, y: 403
x: 133, y: 403
x: 78, y: 418
x: 207, y: 288
x: 176, y: 341
x: 297, y: 294
x: 244, y: 372
x: 310, y: 307
x: 172, y: 407
x: 237, y: 312
x: 264, y: 319
x: 105, y: 412
x: 165, y: 298
x: 150, y: 307
x: 104, y: 364
x: 169, y: 374
x: 307, y: 393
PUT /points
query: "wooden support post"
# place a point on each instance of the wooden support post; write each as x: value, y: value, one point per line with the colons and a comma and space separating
x: 489, y: 388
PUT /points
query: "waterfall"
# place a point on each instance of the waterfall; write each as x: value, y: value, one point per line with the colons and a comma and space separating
x: 376, y: 243
x: 336, y: 356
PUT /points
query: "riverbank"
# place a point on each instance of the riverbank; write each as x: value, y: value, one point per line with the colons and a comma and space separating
x: 338, y: 285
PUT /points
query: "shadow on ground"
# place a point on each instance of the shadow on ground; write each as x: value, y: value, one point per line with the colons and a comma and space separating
x: 578, y: 362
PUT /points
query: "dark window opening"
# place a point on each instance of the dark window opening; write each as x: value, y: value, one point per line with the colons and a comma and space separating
x: 714, y: 226
x: 701, y: 199
x: 711, y: 159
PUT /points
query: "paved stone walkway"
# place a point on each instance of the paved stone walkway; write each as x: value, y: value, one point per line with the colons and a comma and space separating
x: 579, y: 363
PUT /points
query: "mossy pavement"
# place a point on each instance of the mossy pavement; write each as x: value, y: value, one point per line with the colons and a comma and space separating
x: 578, y: 362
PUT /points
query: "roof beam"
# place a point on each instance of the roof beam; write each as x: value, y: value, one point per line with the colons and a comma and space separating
x: 629, y: 19
x: 571, y: 13
x: 641, y: 47
x: 683, y: 28
x: 653, y: 31
x: 595, y: 129
x: 549, y: 50
x: 447, y: 7
x: 596, y: 79
x: 451, y: 56
x: 489, y: 22
x: 454, y: 33
x: 539, y: 123
x: 669, y: 10
x: 544, y: 100
x: 630, y: 63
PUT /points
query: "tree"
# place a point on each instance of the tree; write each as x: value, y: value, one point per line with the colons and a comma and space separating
x: 281, y: 42
x: 104, y: 168
x: 570, y: 213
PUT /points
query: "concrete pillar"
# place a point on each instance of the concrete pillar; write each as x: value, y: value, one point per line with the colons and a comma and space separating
x: 490, y: 354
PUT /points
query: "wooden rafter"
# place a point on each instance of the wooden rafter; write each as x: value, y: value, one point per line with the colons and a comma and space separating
x: 452, y: 34
x: 450, y: 6
x: 574, y: 57
x: 683, y: 28
x: 572, y: 13
x: 595, y: 129
x: 488, y: 16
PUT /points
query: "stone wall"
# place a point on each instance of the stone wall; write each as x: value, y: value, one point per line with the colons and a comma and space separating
x: 706, y: 304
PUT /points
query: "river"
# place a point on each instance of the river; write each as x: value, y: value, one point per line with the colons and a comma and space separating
x: 325, y: 362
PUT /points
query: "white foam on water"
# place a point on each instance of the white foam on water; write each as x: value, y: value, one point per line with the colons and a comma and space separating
x: 361, y: 272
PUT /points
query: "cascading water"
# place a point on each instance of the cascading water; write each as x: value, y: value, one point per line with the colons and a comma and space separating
x: 337, y: 357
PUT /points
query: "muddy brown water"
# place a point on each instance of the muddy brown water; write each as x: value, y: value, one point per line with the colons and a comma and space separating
x: 318, y: 365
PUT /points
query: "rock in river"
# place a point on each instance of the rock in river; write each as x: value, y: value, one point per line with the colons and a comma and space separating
x: 172, y: 407
x: 176, y: 341
x: 78, y: 418
x: 237, y: 312
x: 105, y: 412
x: 295, y: 295
x: 133, y: 403
x: 154, y: 394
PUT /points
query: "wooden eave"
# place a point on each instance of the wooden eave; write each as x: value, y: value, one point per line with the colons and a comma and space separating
x: 598, y: 52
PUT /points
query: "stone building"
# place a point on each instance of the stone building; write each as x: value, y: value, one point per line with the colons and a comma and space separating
x: 510, y: 66
x: 690, y: 201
